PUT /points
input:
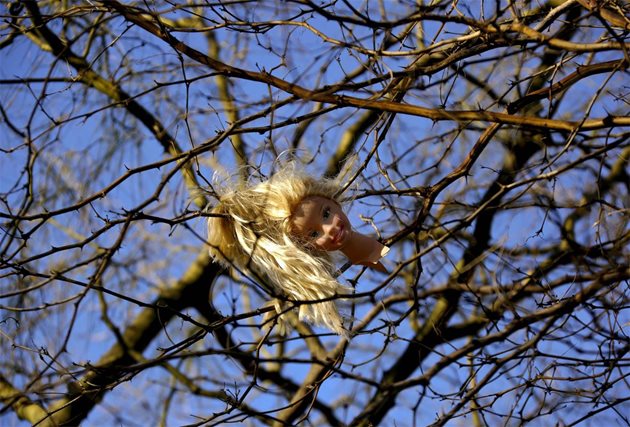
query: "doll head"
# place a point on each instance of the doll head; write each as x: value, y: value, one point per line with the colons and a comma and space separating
x: 280, y: 230
x: 320, y: 222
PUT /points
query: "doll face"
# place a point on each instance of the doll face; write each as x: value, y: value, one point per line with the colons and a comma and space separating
x: 321, y: 222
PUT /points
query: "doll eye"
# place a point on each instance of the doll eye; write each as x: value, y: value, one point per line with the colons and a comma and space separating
x: 313, y: 234
x: 326, y: 213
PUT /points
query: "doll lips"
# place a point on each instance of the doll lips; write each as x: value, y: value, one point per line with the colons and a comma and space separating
x: 339, y: 235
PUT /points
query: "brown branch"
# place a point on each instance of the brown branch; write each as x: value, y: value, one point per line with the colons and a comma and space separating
x: 91, y: 78
x: 23, y: 407
x: 559, y: 87
x: 430, y: 336
x: 608, y: 13
x: 110, y: 370
x: 327, y: 96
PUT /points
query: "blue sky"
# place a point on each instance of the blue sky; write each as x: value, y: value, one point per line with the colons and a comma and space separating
x: 76, y: 149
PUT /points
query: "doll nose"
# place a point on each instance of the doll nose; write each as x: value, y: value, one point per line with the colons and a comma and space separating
x: 329, y: 231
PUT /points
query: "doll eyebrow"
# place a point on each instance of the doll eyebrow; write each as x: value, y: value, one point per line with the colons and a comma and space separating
x: 321, y: 213
x: 322, y: 206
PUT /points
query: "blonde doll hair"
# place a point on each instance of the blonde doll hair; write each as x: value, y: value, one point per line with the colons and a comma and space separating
x: 252, y: 229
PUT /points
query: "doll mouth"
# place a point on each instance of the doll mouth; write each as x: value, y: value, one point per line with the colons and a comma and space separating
x: 339, y: 236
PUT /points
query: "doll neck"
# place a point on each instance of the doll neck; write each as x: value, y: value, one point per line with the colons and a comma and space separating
x: 364, y: 250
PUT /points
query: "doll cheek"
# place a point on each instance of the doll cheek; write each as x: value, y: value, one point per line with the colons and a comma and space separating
x: 322, y: 243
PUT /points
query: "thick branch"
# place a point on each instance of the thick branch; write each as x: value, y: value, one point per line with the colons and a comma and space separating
x: 326, y: 95
x: 91, y: 78
x: 24, y: 408
x: 111, y: 369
